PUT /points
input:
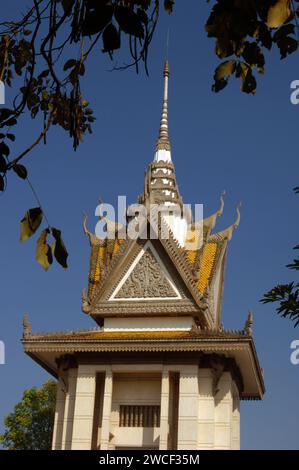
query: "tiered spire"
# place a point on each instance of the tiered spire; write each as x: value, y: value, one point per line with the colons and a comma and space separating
x: 163, y: 143
x: 160, y: 182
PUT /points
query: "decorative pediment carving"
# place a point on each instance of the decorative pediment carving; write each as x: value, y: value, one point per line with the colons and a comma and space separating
x: 147, y: 280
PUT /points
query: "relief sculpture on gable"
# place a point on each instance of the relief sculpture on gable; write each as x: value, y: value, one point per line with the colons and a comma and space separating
x: 147, y: 280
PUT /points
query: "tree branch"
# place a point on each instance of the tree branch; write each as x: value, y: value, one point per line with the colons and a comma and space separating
x: 40, y: 137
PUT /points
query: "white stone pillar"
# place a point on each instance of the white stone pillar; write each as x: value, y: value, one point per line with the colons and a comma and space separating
x: 188, y: 408
x: 164, y: 411
x: 107, y: 401
x: 236, y: 419
x: 223, y: 413
x: 84, y: 408
x: 69, y: 410
x: 206, y: 410
x: 59, y: 416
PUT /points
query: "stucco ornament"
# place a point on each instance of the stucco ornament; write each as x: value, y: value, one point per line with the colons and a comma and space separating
x: 147, y: 280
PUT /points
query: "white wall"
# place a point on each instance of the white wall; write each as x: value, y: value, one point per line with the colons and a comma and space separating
x: 134, y: 391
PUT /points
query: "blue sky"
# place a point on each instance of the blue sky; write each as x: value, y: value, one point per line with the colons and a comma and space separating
x: 246, y: 145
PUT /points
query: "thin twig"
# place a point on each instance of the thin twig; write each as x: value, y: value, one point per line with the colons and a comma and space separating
x: 40, y: 137
x: 38, y: 201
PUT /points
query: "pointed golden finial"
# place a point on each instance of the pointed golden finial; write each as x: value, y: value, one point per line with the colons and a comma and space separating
x: 163, y: 142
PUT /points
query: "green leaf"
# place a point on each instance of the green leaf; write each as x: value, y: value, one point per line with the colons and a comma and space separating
x: 263, y: 34
x: 43, y: 251
x: 111, y: 38
x: 287, y: 296
x: 30, y: 223
x: 222, y: 73
x: 142, y: 15
x: 284, y: 31
x: 11, y: 137
x: 44, y: 73
x: 244, y: 72
x: 241, y: 70
x: 2, y: 184
x: 249, y: 82
x: 11, y: 122
x: 168, y: 5
x: 67, y: 6
x: 129, y: 21
x: 4, y: 149
x: 21, y: 171
x: 224, y: 48
x: 30, y: 425
x: 219, y: 85
x: 294, y: 265
x: 253, y: 55
x: 278, y: 13
x: 97, y: 19
x: 69, y: 64
x: 3, y: 164
x: 58, y: 248
x: 285, y: 43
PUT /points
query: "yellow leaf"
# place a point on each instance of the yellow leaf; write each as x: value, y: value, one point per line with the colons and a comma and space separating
x: 225, y: 69
x: 43, y: 251
x: 278, y: 13
x: 30, y: 223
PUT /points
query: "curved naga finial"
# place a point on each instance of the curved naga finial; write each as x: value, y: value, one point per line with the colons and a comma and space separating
x: 228, y: 232
x: 86, y: 231
x: 220, y: 210
x: 210, y: 221
x: 237, y: 222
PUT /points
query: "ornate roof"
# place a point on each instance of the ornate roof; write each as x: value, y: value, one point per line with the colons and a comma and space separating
x: 206, y: 260
x: 196, y: 268
x: 102, y: 336
x: 102, y: 253
x: 196, y: 346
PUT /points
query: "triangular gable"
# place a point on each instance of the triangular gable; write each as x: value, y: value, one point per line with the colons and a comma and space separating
x: 178, y: 270
x: 147, y: 279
